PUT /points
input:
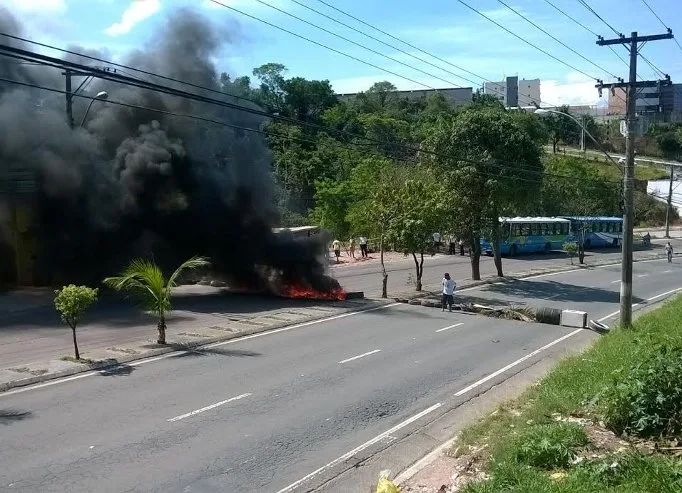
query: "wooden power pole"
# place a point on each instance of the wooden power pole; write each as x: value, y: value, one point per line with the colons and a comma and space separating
x: 629, y: 172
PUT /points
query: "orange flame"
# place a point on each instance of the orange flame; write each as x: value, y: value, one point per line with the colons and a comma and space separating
x: 304, y: 292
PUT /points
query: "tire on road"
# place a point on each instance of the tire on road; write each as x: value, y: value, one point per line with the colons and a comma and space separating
x: 547, y: 315
x: 598, y: 327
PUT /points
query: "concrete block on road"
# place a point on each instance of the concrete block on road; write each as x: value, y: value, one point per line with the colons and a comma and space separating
x: 573, y: 318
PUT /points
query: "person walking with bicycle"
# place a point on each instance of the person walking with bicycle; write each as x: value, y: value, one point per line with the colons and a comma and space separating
x: 669, y: 251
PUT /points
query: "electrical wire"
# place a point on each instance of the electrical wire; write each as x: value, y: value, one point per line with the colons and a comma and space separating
x: 662, y: 23
x: 106, y: 75
x: 587, y: 6
x: 556, y: 39
x: 392, y: 46
x: 503, y: 165
x: 526, y: 41
x: 322, y: 45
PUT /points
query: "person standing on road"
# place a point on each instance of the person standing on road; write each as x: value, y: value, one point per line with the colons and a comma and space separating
x: 336, y: 245
x: 363, y: 246
x: 669, y: 251
x: 461, y: 247
x: 449, y: 286
x: 351, y: 247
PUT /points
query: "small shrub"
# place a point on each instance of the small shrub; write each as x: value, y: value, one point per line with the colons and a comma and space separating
x: 71, y: 302
x: 548, y: 446
x: 647, y: 397
x: 571, y: 248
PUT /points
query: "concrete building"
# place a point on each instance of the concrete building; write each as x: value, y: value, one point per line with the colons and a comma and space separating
x: 514, y: 92
x: 458, y: 96
x: 650, y: 100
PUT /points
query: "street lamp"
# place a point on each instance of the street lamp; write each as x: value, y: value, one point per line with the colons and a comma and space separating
x: 626, y: 247
x: 543, y: 112
x: 101, y: 96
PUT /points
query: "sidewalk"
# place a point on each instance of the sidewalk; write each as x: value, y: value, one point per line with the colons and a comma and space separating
x: 33, y: 347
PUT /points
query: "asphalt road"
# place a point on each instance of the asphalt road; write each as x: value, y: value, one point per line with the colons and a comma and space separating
x: 262, y: 413
x: 401, y: 274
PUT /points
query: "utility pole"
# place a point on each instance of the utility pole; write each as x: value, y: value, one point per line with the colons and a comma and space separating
x: 629, y: 171
x: 582, y: 136
x: 69, y: 98
x: 670, y: 203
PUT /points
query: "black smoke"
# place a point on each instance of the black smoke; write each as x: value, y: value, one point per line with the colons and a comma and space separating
x: 138, y: 183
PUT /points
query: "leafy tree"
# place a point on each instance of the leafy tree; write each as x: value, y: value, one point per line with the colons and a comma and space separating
x: 307, y: 99
x: 670, y: 144
x: 146, y: 281
x: 375, y: 182
x: 493, y: 168
x: 71, y: 302
x: 420, y: 209
x: 481, y: 99
x: 271, y: 91
x: 562, y: 128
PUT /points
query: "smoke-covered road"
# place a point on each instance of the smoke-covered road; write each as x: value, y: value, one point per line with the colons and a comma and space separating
x: 263, y: 413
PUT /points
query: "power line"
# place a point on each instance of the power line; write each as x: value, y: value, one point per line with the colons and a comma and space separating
x: 420, y: 50
x: 496, y: 164
x: 322, y: 45
x: 661, y: 21
x: 586, y: 5
x: 526, y: 41
x: 556, y: 39
x: 114, y: 77
x: 587, y: 29
x: 392, y: 46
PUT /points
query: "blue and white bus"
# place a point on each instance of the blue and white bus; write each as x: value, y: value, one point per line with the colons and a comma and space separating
x: 597, y: 231
x: 530, y: 235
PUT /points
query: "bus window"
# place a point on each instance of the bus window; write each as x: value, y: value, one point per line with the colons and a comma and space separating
x: 525, y: 229
x: 564, y: 228
x: 534, y: 229
x: 514, y: 229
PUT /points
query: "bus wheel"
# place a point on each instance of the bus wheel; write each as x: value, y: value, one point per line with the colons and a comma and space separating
x: 548, y: 247
x: 512, y: 251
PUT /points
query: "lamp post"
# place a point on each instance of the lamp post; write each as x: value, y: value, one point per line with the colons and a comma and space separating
x: 100, y: 96
x: 626, y: 248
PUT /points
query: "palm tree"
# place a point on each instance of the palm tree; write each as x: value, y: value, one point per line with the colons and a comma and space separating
x: 146, y: 280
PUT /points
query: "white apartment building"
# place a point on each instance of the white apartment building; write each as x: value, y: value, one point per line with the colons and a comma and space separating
x: 514, y: 92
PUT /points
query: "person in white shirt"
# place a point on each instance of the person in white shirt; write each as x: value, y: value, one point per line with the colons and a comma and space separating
x: 363, y: 246
x: 449, y: 286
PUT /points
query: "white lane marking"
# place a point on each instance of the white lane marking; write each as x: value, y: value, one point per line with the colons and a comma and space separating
x: 667, y: 271
x: 178, y: 353
x: 604, y: 266
x: 643, y: 275
x: 362, y: 447
x: 207, y: 408
x: 664, y: 294
x: 517, y: 362
x: 450, y: 327
x: 614, y: 282
x: 359, y: 356
x: 609, y: 316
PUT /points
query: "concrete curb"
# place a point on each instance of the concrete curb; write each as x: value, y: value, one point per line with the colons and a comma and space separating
x: 175, y: 347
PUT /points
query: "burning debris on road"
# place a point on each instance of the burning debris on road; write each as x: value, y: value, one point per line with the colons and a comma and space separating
x: 138, y: 183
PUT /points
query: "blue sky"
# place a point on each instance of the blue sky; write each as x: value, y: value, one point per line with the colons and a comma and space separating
x: 444, y: 28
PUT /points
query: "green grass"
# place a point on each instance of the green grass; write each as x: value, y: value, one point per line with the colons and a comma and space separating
x: 525, y: 439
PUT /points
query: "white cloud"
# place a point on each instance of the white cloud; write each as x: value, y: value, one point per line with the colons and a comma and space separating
x: 37, y: 6
x: 574, y: 93
x: 138, y: 11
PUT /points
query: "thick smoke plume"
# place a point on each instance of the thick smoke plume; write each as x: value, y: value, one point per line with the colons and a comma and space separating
x: 137, y: 183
